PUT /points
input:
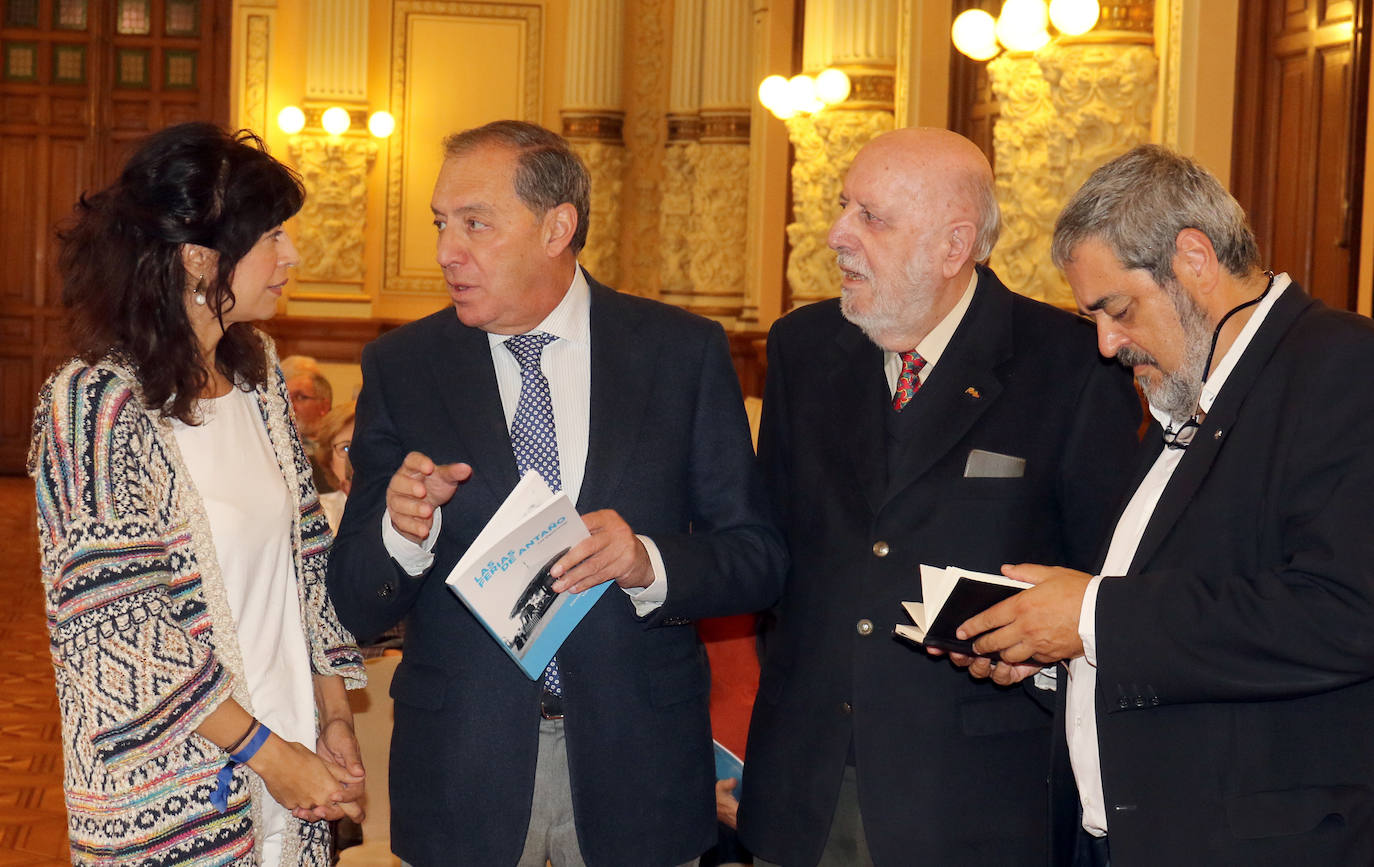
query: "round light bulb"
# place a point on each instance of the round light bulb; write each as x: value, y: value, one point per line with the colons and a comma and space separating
x: 832, y: 86
x: 801, y: 94
x: 1023, y: 25
x: 773, y: 93
x: 1074, y: 17
x: 381, y: 124
x: 291, y: 120
x: 975, y: 34
x: 335, y: 120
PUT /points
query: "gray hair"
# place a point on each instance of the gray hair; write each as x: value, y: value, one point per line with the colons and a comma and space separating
x: 548, y: 172
x: 979, y: 190
x: 1139, y: 202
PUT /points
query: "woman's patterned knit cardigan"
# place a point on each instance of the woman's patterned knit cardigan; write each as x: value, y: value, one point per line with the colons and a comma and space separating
x: 142, y: 637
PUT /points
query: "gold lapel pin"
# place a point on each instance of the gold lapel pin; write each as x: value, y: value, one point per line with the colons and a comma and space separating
x: 972, y: 392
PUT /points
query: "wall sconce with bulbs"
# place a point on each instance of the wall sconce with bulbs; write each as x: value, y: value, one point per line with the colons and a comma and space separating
x: 802, y: 94
x: 335, y: 121
x: 1022, y: 26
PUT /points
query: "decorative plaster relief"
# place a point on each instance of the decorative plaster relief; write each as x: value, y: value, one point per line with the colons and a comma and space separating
x: 606, y: 165
x: 719, y: 230
x: 646, y: 133
x: 1065, y: 111
x: 675, y: 220
x: 330, y: 225
x: 825, y: 145
x: 253, y: 111
x: 1027, y: 191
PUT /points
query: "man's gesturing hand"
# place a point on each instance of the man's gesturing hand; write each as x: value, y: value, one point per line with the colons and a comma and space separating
x: 417, y: 489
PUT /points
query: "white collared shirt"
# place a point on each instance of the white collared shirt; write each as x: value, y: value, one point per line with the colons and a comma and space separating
x: 933, y: 345
x: 567, y: 364
x: 1080, y: 721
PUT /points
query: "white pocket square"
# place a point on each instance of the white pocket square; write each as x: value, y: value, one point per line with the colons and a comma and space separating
x: 991, y: 465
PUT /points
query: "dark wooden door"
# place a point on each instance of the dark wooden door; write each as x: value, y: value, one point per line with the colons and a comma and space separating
x: 1298, y: 154
x: 79, y: 80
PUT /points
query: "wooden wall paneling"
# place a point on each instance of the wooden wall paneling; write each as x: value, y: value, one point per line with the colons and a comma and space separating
x: 67, y: 130
x: 1299, y: 138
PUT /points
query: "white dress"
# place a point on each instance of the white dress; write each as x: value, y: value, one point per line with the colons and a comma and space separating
x: 250, y: 512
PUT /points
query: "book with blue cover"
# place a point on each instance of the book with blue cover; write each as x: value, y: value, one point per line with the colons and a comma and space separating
x: 504, y: 577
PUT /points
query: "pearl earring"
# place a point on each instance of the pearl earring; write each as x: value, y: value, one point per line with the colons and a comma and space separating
x: 199, y: 297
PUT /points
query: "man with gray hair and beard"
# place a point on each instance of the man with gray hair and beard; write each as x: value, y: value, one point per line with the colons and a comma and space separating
x: 929, y: 415
x: 1221, y: 677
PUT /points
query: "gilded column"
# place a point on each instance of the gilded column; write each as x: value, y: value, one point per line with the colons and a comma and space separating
x: 680, y: 155
x: 858, y: 36
x: 721, y: 193
x: 1076, y: 103
x: 593, y: 122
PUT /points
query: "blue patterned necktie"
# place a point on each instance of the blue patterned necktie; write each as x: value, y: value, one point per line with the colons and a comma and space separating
x: 532, y: 435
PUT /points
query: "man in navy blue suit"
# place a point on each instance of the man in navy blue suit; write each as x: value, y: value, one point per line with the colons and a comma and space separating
x: 634, y: 408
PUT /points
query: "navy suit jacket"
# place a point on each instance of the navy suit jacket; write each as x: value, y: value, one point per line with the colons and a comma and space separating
x: 950, y: 771
x: 1235, y: 680
x: 668, y: 449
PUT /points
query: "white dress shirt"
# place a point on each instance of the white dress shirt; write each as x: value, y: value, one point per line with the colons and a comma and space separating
x: 1080, y: 722
x: 567, y: 364
x: 933, y: 345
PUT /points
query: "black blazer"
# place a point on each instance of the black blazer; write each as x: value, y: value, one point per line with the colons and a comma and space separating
x: 1235, y: 672
x: 668, y: 449
x: 951, y: 771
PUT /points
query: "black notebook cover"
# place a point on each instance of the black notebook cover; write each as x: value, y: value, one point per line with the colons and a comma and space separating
x: 969, y: 597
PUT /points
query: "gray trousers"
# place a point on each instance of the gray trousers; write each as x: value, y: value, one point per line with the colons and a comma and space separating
x: 846, y: 845
x: 552, y: 835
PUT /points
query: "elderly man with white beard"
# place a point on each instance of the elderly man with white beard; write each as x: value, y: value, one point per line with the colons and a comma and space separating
x: 928, y: 415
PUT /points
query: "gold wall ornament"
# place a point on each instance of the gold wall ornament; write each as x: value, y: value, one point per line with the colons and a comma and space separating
x: 330, y: 225
x: 825, y: 144
x: 648, y: 25
x: 720, y: 205
x: 606, y: 165
x: 1027, y: 191
x: 253, y: 110
x: 675, y: 221
x: 1067, y: 109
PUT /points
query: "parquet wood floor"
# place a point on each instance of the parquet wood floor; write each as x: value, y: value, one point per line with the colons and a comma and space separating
x: 33, y: 820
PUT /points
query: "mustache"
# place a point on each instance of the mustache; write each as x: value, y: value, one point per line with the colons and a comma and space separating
x: 848, y: 261
x: 1130, y: 357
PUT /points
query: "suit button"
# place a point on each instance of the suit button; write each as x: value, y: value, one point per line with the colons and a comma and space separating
x: 386, y: 590
x: 864, y: 627
x: 880, y: 548
x: 846, y: 708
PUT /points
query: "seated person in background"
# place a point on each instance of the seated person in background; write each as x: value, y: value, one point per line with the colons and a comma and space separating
x: 311, y: 399
x: 335, y: 433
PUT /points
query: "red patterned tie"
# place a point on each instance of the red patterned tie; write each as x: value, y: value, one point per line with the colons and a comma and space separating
x: 909, y: 382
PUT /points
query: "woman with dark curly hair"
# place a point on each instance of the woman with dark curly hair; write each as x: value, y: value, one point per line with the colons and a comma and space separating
x: 183, y: 545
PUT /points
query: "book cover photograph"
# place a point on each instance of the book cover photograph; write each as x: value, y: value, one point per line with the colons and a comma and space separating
x: 504, y: 578
x: 949, y: 597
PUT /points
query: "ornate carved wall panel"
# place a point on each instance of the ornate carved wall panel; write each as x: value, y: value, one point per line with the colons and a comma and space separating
x: 721, y: 209
x: 606, y: 162
x: 825, y: 145
x: 1064, y: 111
x: 648, y: 23
x: 331, y: 224
x: 675, y: 221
